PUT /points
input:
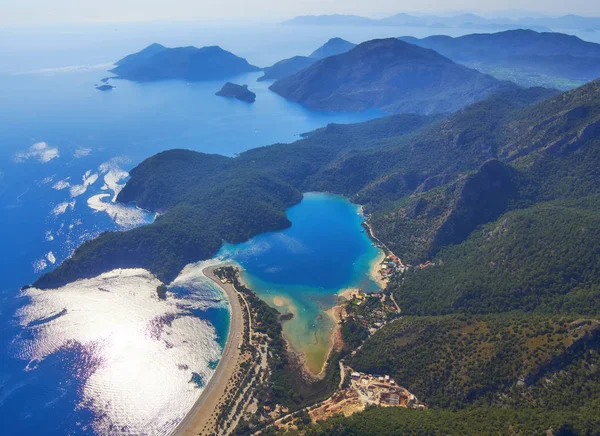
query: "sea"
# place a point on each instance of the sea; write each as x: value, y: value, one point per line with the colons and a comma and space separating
x: 106, y: 355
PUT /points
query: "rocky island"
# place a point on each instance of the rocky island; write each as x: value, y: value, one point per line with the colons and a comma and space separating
x: 240, y: 92
x: 157, y: 62
x: 105, y: 87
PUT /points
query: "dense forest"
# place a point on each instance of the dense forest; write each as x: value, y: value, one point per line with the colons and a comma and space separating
x: 501, y: 335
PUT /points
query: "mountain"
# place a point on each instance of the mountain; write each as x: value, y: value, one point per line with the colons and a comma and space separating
x: 240, y: 92
x: 185, y: 63
x: 523, y: 56
x: 390, y: 75
x: 505, y: 45
x: 501, y: 334
x: 334, y: 46
x: 329, y: 20
x: 142, y: 55
x: 462, y: 21
x: 286, y: 67
x: 290, y: 66
x: 574, y: 22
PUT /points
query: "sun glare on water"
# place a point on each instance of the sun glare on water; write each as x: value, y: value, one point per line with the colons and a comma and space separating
x: 142, y: 352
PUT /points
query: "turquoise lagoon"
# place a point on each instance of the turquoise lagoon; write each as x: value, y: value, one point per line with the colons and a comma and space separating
x: 302, y: 268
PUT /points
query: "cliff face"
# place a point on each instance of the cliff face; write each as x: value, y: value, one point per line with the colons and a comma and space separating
x: 483, y: 198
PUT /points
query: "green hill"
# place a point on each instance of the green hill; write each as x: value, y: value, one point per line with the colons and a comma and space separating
x: 523, y: 56
x: 390, y: 75
x: 157, y: 62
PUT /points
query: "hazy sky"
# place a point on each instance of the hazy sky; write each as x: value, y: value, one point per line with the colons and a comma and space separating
x: 31, y: 12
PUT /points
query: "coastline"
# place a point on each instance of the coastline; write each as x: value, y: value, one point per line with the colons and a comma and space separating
x: 201, y: 412
x: 375, y: 268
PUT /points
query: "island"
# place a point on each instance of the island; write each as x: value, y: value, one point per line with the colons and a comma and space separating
x: 239, y: 92
x: 105, y: 87
x: 157, y: 62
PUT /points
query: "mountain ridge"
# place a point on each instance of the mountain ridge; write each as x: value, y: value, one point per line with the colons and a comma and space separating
x: 387, y: 74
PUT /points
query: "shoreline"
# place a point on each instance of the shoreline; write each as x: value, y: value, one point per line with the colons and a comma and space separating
x: 202, y: 411
x: 375, y: 267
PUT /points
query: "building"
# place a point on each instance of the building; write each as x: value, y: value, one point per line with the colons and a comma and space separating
x: 355, y: 375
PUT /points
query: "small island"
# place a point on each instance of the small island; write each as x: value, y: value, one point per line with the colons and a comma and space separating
x: 105, y: 87
x: 241, y: 92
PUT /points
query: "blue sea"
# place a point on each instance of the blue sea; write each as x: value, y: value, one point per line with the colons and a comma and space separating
x: 106, y: 356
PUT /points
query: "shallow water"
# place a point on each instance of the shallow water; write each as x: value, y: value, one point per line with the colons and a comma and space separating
x: 302, y: 268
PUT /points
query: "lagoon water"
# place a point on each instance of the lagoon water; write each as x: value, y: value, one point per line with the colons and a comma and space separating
x: 300, y: 270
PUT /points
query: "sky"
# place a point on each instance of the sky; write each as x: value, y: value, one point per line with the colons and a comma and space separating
x: 34, y: 12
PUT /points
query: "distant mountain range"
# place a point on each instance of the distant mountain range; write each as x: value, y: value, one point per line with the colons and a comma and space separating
x: 553, y: 54
x: 390, y: 75
x: 467, y: 21
x: 157, y: 62
x: 290, y: 66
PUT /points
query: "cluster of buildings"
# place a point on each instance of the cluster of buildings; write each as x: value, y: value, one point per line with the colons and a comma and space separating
x: 381, y: 390
x: 392, y: 265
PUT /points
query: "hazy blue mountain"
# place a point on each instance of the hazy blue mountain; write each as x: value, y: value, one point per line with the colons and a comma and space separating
x: 334, y: 46
x: 187, y: 63
x: 330, y: 20
x: 387, y: 74
x: 553, y: 54
x: 290, y: 66
x: 142, y: 55
x: 501, y: 45
x: 468, y: 21
x: 286, y: 67
x: 563, y: 22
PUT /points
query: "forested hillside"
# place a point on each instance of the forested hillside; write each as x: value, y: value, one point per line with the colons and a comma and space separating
x: 378, y: 164
x: 501, y: 335
x: 390, y: 75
